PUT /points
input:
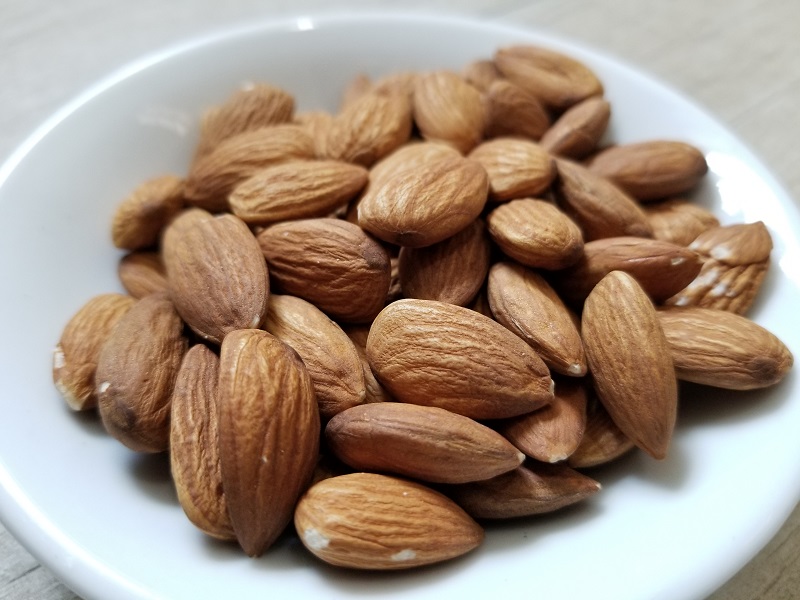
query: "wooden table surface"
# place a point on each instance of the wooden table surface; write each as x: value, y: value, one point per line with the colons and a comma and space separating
x: 738, y: 58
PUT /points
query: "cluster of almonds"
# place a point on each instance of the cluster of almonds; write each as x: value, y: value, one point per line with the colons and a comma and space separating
x: 476, y: 301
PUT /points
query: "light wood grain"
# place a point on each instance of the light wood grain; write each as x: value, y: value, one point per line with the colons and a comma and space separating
x: 737, y: 58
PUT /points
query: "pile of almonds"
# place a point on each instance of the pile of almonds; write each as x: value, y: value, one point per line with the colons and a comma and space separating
x: 475, y: 302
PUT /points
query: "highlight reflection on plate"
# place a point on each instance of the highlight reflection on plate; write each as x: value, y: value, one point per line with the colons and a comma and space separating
x: 106, y: 520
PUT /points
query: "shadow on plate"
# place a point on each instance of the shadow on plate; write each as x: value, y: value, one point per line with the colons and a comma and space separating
x: 151, y: 472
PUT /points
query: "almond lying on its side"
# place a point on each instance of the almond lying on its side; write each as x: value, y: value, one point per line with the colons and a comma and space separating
x: 140, y: 218
x: 602, y: 440
x: 578, y: 131
x: 513, y: 111
x: 142, y: 273
x: 517, y: 168
x: 679, y: 221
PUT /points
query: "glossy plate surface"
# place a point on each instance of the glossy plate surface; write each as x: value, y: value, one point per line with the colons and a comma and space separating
x: 106, y: 520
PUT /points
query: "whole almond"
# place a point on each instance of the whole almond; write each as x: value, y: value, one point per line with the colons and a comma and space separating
x: 330, y: 357
x: 578, y: 131
x: 512, y: 111
x: 526, y: 305
x: 535, y: 233
x: 679, y: 221
x: 651, y: 170
x: 251, y: 107
x: 420, y: 207
x: 422, y: 442
x: 193, y: 444
x: 599, y: 207
x: 331, y: 263
x: 557, y: 80
x: 378, y: 522
x: 661, y: 268
x: 142, y: 273
x: 140, y: 218
x: 369, y: 128
x: 552, y: 433
x: 213, y: 176
x: 450, y: 271
x: 358, y: 335
x: 317, y: 124
x: 517, y: 168
x: 268, y: 434
x: 481, y: 74
x: 602, y: 440
x: 631, y: 362
x: 438, y: 354
x: 531, y: 489
x: 735, y: 261
x: 76, y: 354
x: 413, y: 155
x: 136, y: 373
x: 399, y: 83
x: 723, y: 349
x: 217, y: 275
x: 296, y: 190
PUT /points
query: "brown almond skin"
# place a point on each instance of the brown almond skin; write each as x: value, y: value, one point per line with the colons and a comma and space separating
x: 512, y: 111
x: 142, y: 273
x: 723, y: 349
x: 140, y: 218
x: 450, y: 271
x: 599, y: 207
x: 193, y: 447
x: 631, y: 362
x: 422, y: 442
x: 331, y: 263
x: 377, y: 522
x: 268, y: 434
x: 516, y: 168
x: 438, y: 354
x: 531, y: 489
x: 679, y: 221
x: 557, y: 80
x: 602, y: 441
x: 136, y: 373
x: 652, y: 170
x: 330, y: 357
x: 78, y: 350
x: 578, y: 131
x: 448, y: 109
x: 421, y: 207
x: 413, y: 155
x: 523, y: 301
x: 317, y: 124
x: 217, y: 275
x: 536, y: 233
x: 661, y: 268
x: 481, y: 74
x: 358, y: 335
x: 552, y: 433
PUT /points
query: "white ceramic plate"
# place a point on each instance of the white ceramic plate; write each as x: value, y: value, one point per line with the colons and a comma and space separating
x: 106, y: 520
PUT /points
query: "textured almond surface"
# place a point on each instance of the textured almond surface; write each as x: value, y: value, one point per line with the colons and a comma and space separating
x: 512, y: 111
x: 413, y: 155
x: 481, y: 74
x: 140, y: 218
x: 371, y: 521
x: 679, y: 221
x: 437, y: 354
x: 631, y: 362
x: 423, y: 442
x: 358, y: 335
x: 577, y: 132
x: 602, y: 441
x: 517, y: 168
x: 142, y: 273
x: 217, y: 275
x: 268, y: 434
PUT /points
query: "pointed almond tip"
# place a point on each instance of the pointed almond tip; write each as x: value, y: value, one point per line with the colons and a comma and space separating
x: 577, y: 369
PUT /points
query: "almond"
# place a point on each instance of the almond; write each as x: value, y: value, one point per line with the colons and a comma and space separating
x: 535, y: 233
x: 599, y: 207
x: 631, y: 362
x: 652, y: 170
x: 413, y: 155
x: 216, y: 272
x: 679, y: 221
x: 355, y: 89
x: 526, y: 305
x: 481, y: 74
x: 140, y: 218
x: 512, y: 111
x: 296, y: 190
x: 557, y: 80
x: 531, y: 489
x: 268, y: 434
x: 661, y: 268
x: 331, y: 263
x: 136, y: 373
x: 330, y: 357
x: 602, y: 441
x: 142, y: 273
x: 450, y: 271
x: 423, y: 442
x: 371, y: 521
x: 358, y: 335
x: 723, y: 349
x: 423, y: 206
x: 317, y: 124
x: 735, y: 262
x: 516, y: 168
x: 578, y: 131
x: 399, y: 83
x: 448, y: 109
x: 193, y: 447
x: 437, y: 354
x: 76, y: 355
